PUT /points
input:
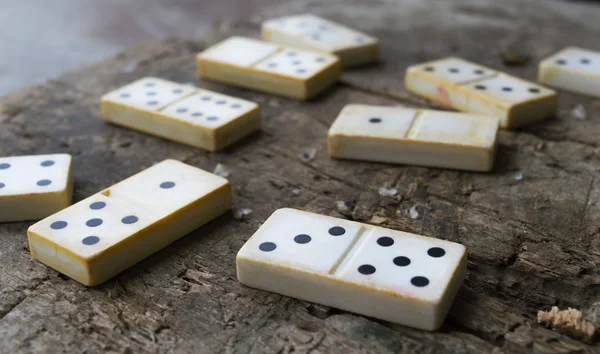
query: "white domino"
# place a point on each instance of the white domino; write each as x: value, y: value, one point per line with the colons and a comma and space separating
x: 469, y: 87
x: 197, y: 117
x: 108, y: 232
x: 268, y: 67
x: 315, y: 33
x: 411, y: 136
x: 386, y: 274
x: 573, y: 69
x: 33, y: 187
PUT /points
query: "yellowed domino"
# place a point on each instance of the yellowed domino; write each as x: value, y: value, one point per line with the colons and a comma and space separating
x: 99, y: 237
x: 574, y: 69
x: 391, y: 275
x: 417, y: 137
x: 269, y: 67
x: 189, y: 115
x: 468, y: 87
x: 311, y: 32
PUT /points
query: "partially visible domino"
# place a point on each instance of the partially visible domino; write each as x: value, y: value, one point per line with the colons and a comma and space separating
x: 573, y: 69
x: 382, y: 273
x: 197, y: 117
x: 468, y: 87
x: 315, y: 33
x: 33, y: 187
x: 269, y: 67
x: 108, y: 232
x: 410, y: 136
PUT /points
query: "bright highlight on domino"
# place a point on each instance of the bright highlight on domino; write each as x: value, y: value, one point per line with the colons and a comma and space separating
x: 33, y: 187
x: 573, y: 69
x: 468, y: 87
x: 382, y: 273
x: 315, y: 33
x: 197, y: 117
x: 108, y: 232
x: 412, y: 136
x: 268, y: 67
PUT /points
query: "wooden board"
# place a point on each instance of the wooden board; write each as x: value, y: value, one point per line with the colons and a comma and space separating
x: 533, y: 241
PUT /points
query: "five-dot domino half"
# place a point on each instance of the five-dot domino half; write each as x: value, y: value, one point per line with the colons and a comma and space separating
x: 377, y: 272
x: 315, y: 33
x: 269, y: 67
x: 573, y: 69
x: 412, y: 136
x: 473, y: 88
x: 197, y: 117
x: 106, y: 233
x: 33, y: 187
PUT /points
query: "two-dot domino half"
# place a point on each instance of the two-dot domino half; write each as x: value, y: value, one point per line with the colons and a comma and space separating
x: 269, y: 67
x: 33, y: 187
x: 315, y: 33
x: 414, y: 136
x: 473, y: 88
x: 386, y: 274
x: 573, y: 69
x: 197, y: 117
x: 99, y: 237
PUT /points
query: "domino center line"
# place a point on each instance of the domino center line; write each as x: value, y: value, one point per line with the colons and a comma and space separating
x: 350, y: 251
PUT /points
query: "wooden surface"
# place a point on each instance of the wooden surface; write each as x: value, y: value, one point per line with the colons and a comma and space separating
x: 533, y: 242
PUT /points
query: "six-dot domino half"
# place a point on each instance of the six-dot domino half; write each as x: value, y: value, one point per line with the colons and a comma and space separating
x: 386, y: 274
x: 573, y: 69
x: 315, y: 33
x: 269, y: 67
x: 473, y: 88
x: 108, y: 232
x: 33, y: 187
x: 412, y: 136
x: 197, y: 117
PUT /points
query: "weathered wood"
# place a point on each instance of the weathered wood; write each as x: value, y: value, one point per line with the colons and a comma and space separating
x: 533, y: 242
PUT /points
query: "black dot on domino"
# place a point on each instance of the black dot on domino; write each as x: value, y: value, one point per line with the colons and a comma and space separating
x: 302, y: 239
x: 177, y: 91
x: 58, y: 225
x: 90, y: 240
x: 366, y: 269
x: 181, y: 110
x: 272, y: 65
x: 436, y: 252
x: 267, y: 246
x: 212, y: 118
x: 236, y: 105
x: 385, y: 241
x: 47, y: 163
x: 584, y: 61
x: 429, y: 68
x: 149, y: 84
x: 374, y: 120
x: 301, y: 71
x: 401, y: 261
x: 291, y: 54
x: 337, y: 231
x: 205, y: 98
x: 152, y: 103
x: 4, y: 166
x: 534, y: 90
x: 561, y: 62
x: 320, y: 60
x: 507, y: 89
x: 220, y: 102
x: 480, y: 87
x: 131, y: 219
x: 150, y: 93
x: 44, y: 182
x: 197, y: 114
x: 419, y: 281
x: 296, y: 62
x: 97, y: 205
x: 2, y: 185
x: 453, y: 70
x: 167, y: 185
x: 478, y: 71
x: 94, y: 222
x: 124, y: 95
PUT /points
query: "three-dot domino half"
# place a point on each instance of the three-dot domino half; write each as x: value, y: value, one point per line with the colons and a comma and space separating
x: 386, y: 274
x: 412, y: 136
x: 108, y: 232
x: 473, y: 88
x: 315, y: 33
x: 573, y: 69
x: 33, y: 187
x: 197, y: 117
x: 269, y: 67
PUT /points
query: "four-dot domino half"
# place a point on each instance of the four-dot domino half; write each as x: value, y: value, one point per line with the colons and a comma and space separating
x: 473, y: 88
x: 314, y: 33
x: 33, y: 187
x: 573, y: 69
x: 197, y: 117
x: 391, y: 275
x: 106, y: 233
x: 411, y: 136
x: 269, y: 67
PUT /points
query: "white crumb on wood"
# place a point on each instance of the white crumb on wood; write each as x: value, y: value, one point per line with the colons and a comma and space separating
x: 413, y: 213
x: 519, y: 176
x: 222, y: 171
x: 343, y: 206
x: 295, y: 192
x: 242, y: 214
x: 308, y: 155
x: 387, y: 192
x: 578, y: 112
x: 569, y: 322
x: 129, y: 67
x: 377, y: 220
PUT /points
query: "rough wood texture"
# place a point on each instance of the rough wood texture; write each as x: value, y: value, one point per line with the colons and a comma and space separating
x: 534, y: 242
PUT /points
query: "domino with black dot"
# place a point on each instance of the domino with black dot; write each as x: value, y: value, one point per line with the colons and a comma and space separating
x: 99, y: 237
x: 574, y: 69
x: 269, y: 67
x: 373, y: 271
x: 185, y: 114
x: 472, y: 88
x: 33, y: 187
